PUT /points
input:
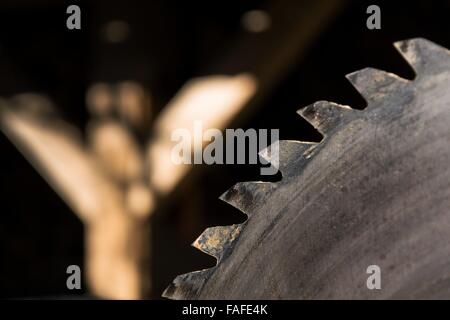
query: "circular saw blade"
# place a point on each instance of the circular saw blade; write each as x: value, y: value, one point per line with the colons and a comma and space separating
x: 374, y: 191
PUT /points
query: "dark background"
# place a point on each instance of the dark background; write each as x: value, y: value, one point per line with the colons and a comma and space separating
x: 169, y: 43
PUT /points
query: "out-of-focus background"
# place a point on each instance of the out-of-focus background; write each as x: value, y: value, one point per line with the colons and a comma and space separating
x: 138, y: 69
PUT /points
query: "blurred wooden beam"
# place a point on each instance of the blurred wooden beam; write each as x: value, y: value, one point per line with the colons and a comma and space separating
x: 117, y: 238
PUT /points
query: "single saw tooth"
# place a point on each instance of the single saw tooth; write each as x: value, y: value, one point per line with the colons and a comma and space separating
x: 324, y: 115
x: 216, y: 240
x: 245, y: 195
x: 282, y: 154
x: 423, y: 55
x: 187, y: 285
x: 375, y: 85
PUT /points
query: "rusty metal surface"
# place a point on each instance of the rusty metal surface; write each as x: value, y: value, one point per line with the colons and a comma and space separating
x: 375, y: 190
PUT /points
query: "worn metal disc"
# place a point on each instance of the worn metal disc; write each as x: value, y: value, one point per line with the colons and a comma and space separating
x: 374, y: 191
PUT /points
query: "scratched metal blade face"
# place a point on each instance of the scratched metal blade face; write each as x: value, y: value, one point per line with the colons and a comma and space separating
x: 374, y: 191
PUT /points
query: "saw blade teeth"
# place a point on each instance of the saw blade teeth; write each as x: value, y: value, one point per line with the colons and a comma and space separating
x: 423, y: 55
x: 188, y: 283
x: 245, y: 195
x: 324, y: 115
x: 216, y: 240
x: 374, y: 84
x: 282, y: 154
